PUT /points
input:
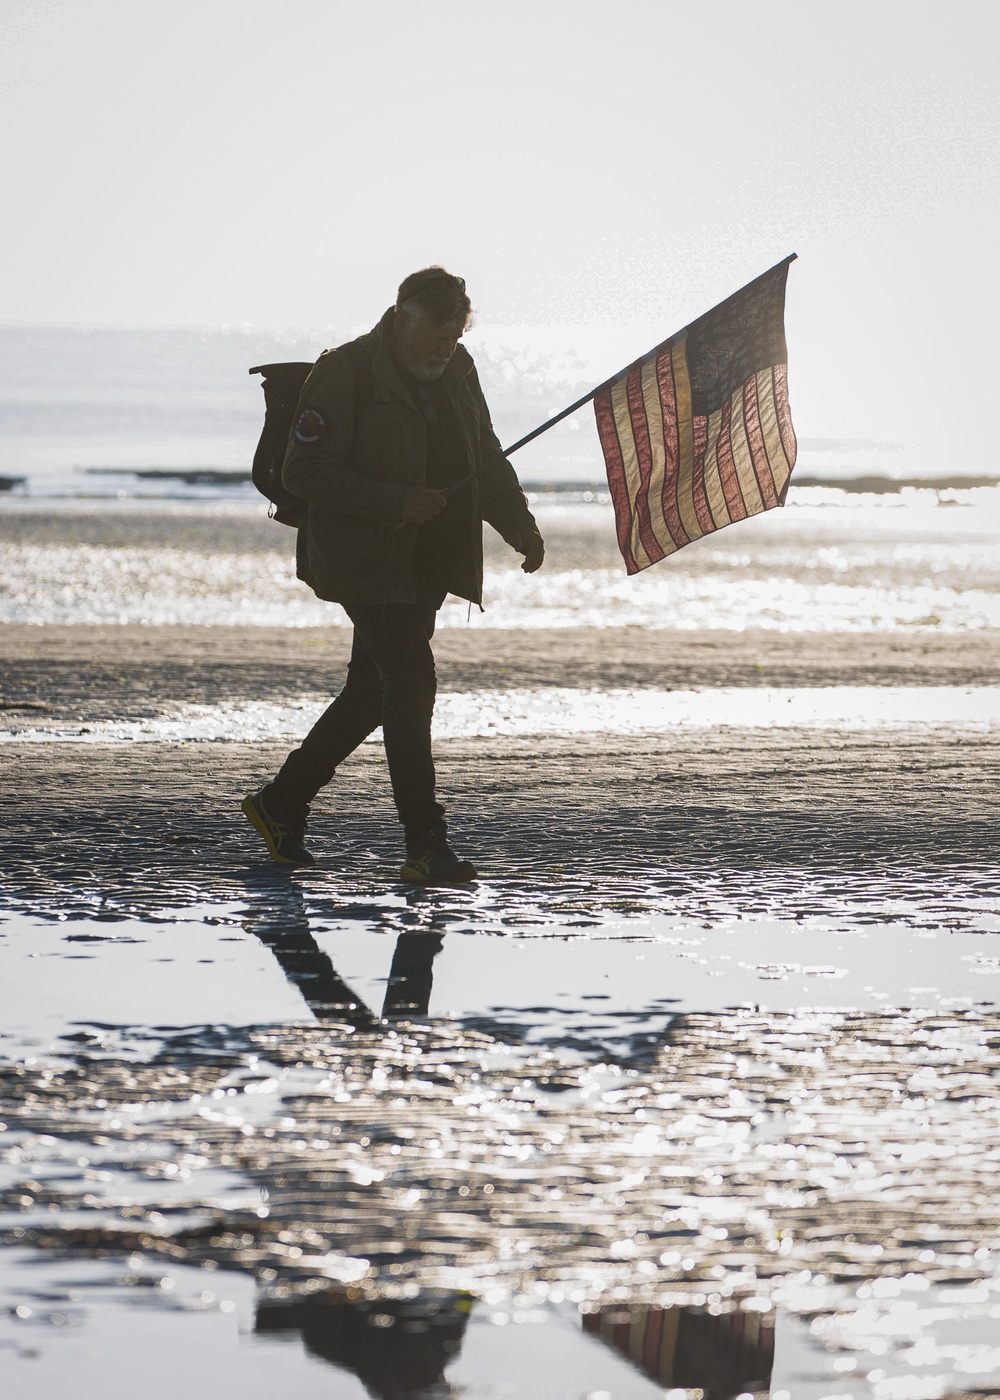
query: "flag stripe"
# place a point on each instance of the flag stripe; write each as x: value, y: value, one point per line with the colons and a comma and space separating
x: 685, y: 438
x: 758, y: 452
x: 666, y: 393
x: 668, y: 1344
x: 644, y: 463
x: 658, y: 423
x: 727, y: 466
x: 784, y: 433
x: 699, y: 492
x: 775, y: 453
x: 619, y: 403
x: 699, y: 431
x: 713, y: 478
x: 633, y: 479
x: 639, y: 1321
x: 788, y: 442
x: 651, y: 1346
x: 742, y: 457
x: 615, y: 466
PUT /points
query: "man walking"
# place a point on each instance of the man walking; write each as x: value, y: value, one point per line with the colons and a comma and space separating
x: 382, y: 538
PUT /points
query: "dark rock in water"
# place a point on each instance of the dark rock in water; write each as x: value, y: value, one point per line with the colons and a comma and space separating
x: 558, y: 488
x: 197, y: 477
x: 890, y: 485
x: 194, y: 476
x: 10, y: 483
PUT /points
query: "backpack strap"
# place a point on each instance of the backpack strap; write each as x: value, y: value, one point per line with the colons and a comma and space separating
x: 361, y: 372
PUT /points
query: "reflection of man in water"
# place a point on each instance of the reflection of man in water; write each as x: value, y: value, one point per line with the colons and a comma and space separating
x: 281, y: 923
x: 398, y: 1350
x: 382, y: 538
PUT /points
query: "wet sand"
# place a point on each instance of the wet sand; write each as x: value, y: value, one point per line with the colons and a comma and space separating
x: 81, y: 672
x: 591, y: 803
x: 739, y: 1084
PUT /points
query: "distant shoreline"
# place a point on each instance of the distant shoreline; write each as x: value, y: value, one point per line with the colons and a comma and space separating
x: 875, y: 485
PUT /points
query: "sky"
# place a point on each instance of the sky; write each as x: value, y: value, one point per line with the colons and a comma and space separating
x: 599, y: 173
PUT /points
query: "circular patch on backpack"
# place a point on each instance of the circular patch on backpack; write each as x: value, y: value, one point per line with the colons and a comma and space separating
x: 310, y: 426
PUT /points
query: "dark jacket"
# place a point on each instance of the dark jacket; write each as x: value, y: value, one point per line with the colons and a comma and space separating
x: 349, y: 548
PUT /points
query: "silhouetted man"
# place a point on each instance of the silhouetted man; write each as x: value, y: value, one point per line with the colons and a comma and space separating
x: 383, y: 539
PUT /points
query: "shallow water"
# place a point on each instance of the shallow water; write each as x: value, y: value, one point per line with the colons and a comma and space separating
x: 562, y: 711
x: 375, y: 1091
x: 830, y: 561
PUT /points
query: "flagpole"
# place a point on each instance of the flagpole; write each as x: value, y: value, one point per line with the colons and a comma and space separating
x: 587, y: 398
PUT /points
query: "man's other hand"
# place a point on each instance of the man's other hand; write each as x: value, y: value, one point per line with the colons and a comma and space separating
x: 422, y: 504
x: 530, y: 544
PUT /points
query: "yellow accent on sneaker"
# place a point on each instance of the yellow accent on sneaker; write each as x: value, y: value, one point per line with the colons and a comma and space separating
x: 283, y: 845
x: 427, y: 866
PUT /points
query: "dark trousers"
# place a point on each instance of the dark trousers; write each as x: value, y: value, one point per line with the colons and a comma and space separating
x: 390, y: 682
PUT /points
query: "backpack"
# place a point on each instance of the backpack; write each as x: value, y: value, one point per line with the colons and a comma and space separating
x: 282, y: 385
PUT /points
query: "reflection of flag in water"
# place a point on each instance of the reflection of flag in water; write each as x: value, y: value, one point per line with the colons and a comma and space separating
x: 722, y: 1356
x: 698, y: 434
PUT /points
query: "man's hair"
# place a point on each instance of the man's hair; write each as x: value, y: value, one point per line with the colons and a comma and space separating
x: 435, y: 293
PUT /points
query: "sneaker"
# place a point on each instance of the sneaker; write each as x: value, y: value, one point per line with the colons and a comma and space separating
x: 431, y: 861
x: 284, y: 837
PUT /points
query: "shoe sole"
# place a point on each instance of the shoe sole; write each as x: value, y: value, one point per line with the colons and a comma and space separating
x: 259, y: 823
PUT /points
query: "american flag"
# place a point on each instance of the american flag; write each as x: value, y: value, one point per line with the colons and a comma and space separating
x: 697, y: 434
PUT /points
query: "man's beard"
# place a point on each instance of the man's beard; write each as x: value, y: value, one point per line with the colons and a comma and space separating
x: 428, y: 370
